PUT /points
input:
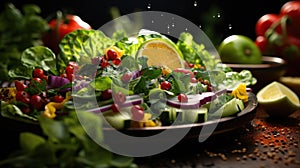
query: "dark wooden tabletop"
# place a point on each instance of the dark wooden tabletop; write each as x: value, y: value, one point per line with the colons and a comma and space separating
x: 262, y: 143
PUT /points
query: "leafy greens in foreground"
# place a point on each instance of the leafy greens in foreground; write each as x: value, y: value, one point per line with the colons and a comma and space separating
x: 66, y: 144
x: 19, y: 30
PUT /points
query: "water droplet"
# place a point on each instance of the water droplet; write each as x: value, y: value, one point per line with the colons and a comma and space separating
x: 186, y: 29
x: 195, y: 3
x: 161, y: 15
x: 229, y: 26
x: 200, y: 26
x: 218, y: 15
x: 173, y: 25
x: 149, y: 6
x: 152, y: 21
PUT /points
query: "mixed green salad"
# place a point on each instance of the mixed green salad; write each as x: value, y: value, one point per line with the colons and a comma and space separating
x: 128, y: 91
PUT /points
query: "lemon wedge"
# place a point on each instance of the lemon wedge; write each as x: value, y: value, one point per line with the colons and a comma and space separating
x: 161, y: 52
x: 278, y: 100
x: 291, y: 82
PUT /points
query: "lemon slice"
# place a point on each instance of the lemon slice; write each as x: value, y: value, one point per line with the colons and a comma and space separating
x: 161, y: 52
x: 278, y: 100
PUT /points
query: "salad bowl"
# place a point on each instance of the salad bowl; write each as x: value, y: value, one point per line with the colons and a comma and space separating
x: 271, y: 69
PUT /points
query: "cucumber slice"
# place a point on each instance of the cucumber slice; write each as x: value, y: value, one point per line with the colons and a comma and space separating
x: 118, y: 120
x: 195, y: 115
x: 169, y: 115
x: 230, y: 108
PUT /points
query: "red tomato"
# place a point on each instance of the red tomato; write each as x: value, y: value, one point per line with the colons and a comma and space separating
x: 182, y: 98
x: 262, y: 43
x: 58, y: 98
x: 137, y: 113
x: 292, y: 10
x: 20, y: 86
x: 165, y: 85
x: 38, y: 73
x: 23, y: 97
x: 115, y: 108
x: 265, y: 22
x: 106, y: 94
x: 119, y: 98
x: 136, y: 107
x: 111, y: 55
x: 126, y: 77
x: 58, y: 29
x: 39, y: 80
x: 36, y: 102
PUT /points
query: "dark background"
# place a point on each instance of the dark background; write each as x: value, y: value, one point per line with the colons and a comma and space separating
x: 241, y: 15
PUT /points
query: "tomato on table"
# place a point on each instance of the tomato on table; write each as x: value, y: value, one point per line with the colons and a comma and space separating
x: 61, y: 26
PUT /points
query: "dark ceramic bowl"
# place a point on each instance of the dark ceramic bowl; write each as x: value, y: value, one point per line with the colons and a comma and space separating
x: 271, y: 69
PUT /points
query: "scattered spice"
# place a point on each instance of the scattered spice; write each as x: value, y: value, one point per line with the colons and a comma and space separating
x: 271, y: 141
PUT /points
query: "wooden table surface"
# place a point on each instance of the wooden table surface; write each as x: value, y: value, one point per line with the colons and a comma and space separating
x: 263, y: 143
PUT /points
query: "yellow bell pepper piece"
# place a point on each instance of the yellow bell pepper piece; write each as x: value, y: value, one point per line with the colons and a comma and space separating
x: 165, y: 70
x: 51, y: 107
x: 146, y: 122
x: 241, y: 92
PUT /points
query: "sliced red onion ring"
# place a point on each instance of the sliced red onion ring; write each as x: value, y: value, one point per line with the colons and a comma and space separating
x: 195, y: 101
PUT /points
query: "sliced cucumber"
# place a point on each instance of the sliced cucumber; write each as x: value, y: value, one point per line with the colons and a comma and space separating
x: 169, y: 115
x: 195, y: 115
x: 118, y: 120
x: 230, y: 108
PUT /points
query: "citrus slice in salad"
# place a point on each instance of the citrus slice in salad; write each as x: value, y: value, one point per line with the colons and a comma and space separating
x: 161, y: 52
x: 278, y: 100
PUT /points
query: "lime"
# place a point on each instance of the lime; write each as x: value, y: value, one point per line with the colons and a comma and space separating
x: 239, y: 49
x: 161, y: 52
x: 278, y: 100
x: 292, y: 82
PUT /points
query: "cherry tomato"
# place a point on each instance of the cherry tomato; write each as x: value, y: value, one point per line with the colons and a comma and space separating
x: 137, y: 113
x: 111, y: 54
x: 36, y: 102
x: 117, y: 61
x: 115, y: 108
x: 58, y: 98
x: 126, y: 77
x: 292, y: 10
x: 69, y: 69
x: 137, y: 107
x: 39, y: 80
x: 106, y: 94
x: 23, y: 97
x: 265, y: 22
x: 104, y: 63
x: 165, y: 85
x: 182, y: 98
x: 38, y: 73
x: 119, y: 97
x: 74, y: 65
x: 20, y: 86
x: 61, y: 27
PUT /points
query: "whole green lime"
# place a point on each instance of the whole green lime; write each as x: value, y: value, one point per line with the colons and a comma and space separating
x: 239, y: 49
